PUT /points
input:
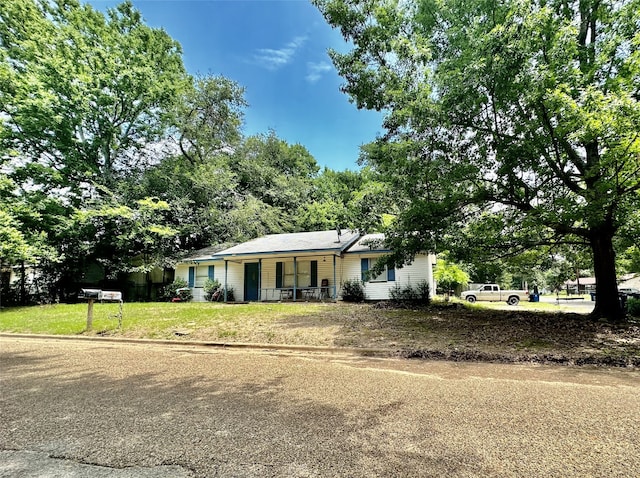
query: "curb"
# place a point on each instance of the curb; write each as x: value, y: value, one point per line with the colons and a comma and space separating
x: 632, y: 363
x: 369, y: 352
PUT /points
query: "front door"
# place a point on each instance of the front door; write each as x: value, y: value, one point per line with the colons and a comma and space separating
x: 251, y: 271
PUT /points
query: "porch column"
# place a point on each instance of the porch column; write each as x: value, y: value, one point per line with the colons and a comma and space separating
x: 259, y: 280
x: 226, y: 269
x: 295, y: 277
x: 335, y: 295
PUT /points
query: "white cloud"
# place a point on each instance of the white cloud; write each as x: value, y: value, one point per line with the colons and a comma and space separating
x: 272, y: 59
x: 316, y: 70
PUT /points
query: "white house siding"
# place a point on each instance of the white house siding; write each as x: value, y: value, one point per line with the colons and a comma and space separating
x: 268, y: 283
x: 235, y: 278
x: 201, y: 275
x: 235, y: 274
x: 419, y: 270
x: 347, y: 267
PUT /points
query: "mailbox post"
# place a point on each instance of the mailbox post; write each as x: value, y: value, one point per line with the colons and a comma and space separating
x: 91, y: 295
x: 113, y: 296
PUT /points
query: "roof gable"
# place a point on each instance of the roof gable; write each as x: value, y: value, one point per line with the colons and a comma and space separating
x: 369, y: 243
x: 204, y: 254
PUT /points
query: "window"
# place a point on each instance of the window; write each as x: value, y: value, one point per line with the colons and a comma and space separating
x: 307, y: 272
x: 387, y: 275
x: 289, y: 272
x: 202, y: 274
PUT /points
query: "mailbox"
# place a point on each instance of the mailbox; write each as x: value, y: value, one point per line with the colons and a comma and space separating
x: 89, y: 294
x: 110, y: 295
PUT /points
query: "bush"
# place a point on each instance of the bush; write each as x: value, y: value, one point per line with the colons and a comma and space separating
x: 353, y: 291
x: 213, y: 291
x: 633, y: 307
x: 170, y: 291
x: 421, y: 293
x: 424, y: 292
x: 402, y: 294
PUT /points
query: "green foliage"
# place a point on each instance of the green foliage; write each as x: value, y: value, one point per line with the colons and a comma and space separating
x: 209, y: 117
x: 212, y: 290
x: 83, y: 94
x: 170, y: 291
x: 449, y: 275
x: 423, y: 291
x: 629, y: 259
x: 420, y: 293
x: 353, y: 291
x: 401, y: 294
x: 633, y: 307
x: 521, y: 117
x: 155, y: 320
x: 231, y: 297
x: 114, y: 156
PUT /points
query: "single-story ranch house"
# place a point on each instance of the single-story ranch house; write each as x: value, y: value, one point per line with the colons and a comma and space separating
x: 301, y: 266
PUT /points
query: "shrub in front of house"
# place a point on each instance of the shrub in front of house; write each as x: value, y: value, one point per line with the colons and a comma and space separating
x: 420, y: 293
x: 633, y: 307
x: 402, y: 294
x: 213, y: 290
x: 424, y: 292
x: 353, y: 291
x: 170, y: 291
x: 230, y: 295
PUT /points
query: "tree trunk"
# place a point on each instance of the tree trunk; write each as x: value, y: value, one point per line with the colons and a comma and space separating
x: 607, y: 300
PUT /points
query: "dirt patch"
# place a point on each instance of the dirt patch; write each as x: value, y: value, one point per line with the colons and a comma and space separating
x: 459, y: 333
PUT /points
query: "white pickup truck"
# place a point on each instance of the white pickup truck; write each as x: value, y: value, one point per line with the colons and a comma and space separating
x: 492, y: 293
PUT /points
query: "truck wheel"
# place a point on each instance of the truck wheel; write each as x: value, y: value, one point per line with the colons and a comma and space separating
x: 471, y: 299
x: 513, y: 300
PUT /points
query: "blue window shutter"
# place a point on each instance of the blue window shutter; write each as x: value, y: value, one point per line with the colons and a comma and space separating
x: 211, y: 269
x: 391, y: 274
x: 192, y: 276
x: 314, y: 273
x: 278, y: 275
x: 364, y: 267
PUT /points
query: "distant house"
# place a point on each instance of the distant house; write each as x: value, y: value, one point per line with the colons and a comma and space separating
x: 630, y: 281
x: 582, y: 285
x: 301, y: 266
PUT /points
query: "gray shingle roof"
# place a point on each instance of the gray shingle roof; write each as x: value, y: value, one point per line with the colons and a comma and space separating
x: 293, y: 242
x: 369, y: 243
x: 205, y: 253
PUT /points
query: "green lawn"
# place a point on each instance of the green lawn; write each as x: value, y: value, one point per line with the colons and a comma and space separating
x: 151, y: 320
x: 450, y: 329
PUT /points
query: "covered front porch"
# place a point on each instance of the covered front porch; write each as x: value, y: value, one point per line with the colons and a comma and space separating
x: 285, y: 278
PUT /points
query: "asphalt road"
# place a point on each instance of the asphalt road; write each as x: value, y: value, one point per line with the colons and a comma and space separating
x: 77, y: 409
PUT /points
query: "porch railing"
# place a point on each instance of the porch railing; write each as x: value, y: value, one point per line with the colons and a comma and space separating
x: 301, y: 294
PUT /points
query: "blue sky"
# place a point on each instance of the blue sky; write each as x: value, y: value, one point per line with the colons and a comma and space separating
x: 276, y: 50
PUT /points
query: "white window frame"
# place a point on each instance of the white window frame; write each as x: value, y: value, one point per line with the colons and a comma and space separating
x: 303, y: 271
x: 201, y: 276
x: 383, y: 277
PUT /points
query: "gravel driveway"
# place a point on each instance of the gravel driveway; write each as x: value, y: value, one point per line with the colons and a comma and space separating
x: 182, y: 411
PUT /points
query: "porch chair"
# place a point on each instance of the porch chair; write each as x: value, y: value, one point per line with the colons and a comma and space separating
x: 324, y: 289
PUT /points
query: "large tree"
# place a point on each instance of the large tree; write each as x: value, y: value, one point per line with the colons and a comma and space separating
x: 83, y: 96
x: 86, y: 99
x: 526, y: 113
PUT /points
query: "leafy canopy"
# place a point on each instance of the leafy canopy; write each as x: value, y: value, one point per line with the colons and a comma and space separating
x: 523, y: 115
